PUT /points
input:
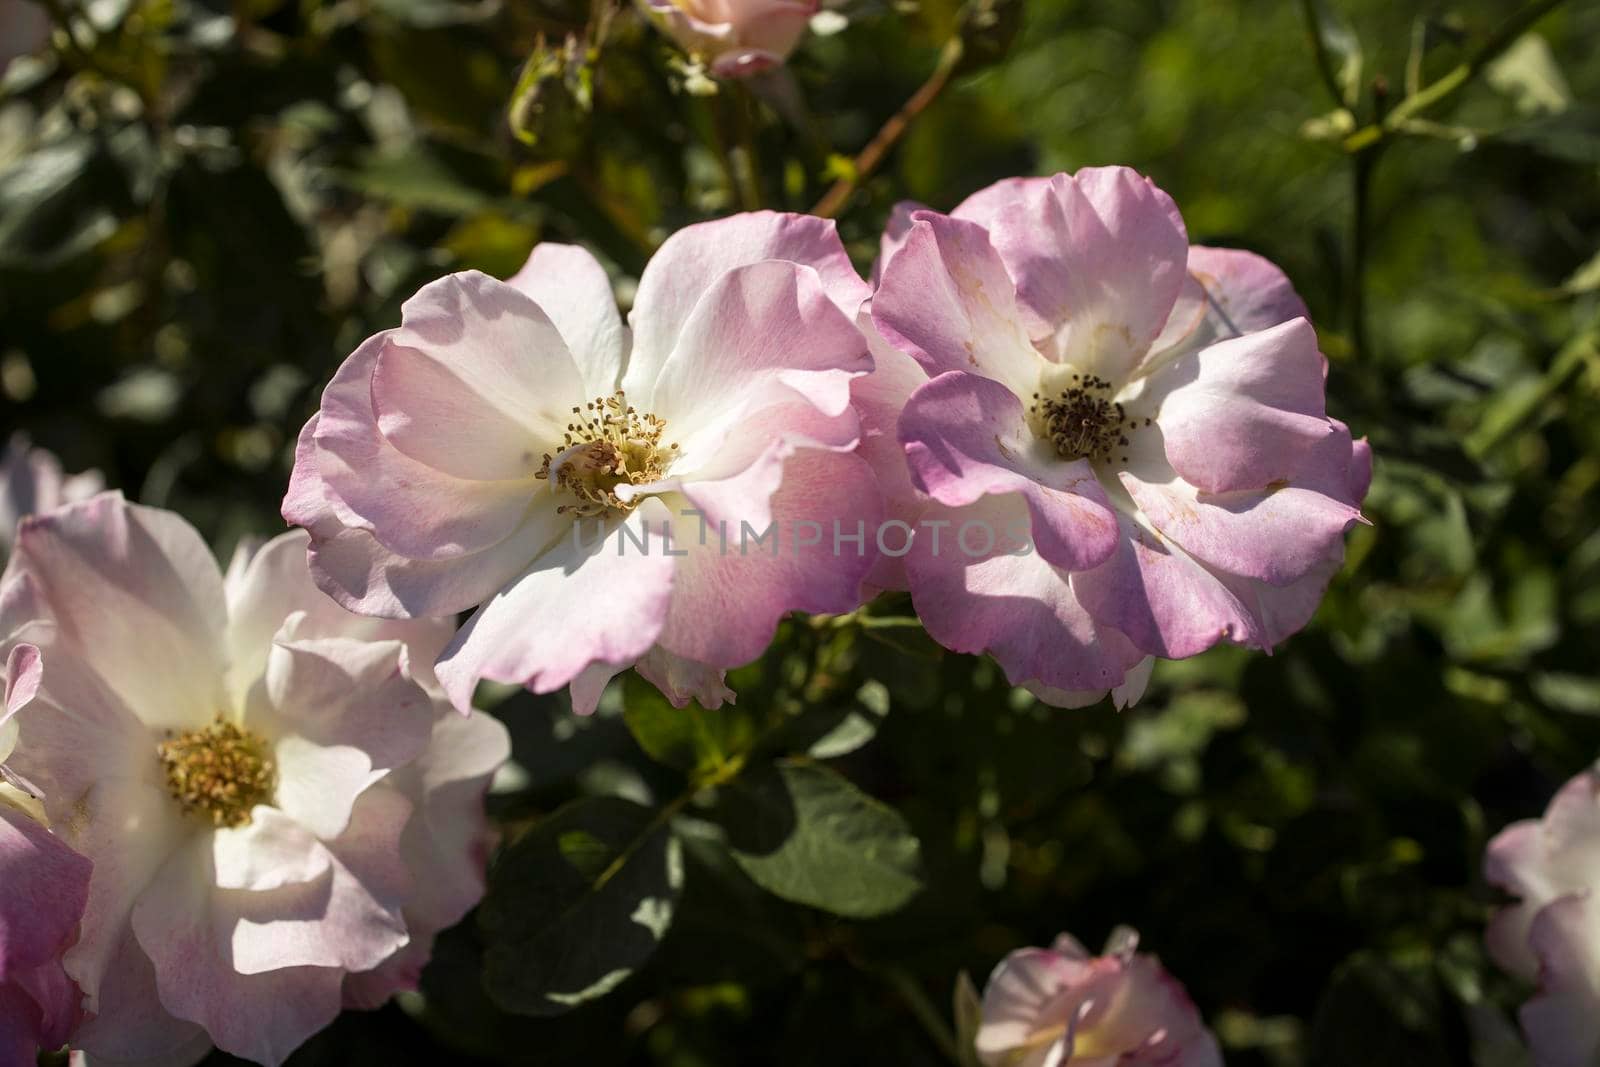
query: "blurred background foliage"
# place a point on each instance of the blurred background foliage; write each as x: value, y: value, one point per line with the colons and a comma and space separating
x: 204, y: 206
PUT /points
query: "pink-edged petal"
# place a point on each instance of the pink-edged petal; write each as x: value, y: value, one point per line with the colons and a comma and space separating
x: 350, y: 918
x: 737, y: 488
x: 1281, y: 611
x: 413, y: 509
x: 1018, y: 608
x: 1006, y: 196
x: 895, y: 231
x: 747, y: 62
x: 128, y: 830
x: 947, y: 302
x: 269, y: 852
x: 268, y: 586
x: 1562, y: 1022
x: 682, y: 680
x: 595, y: 596
x: 22, y: 674
x: 57, y: 1000
x: 693, y: 258
x: 1540, y: 860
x: 571, y: 287
x: 966, y: 437
x: 349, y: 565
x: 476, y: 374
x: 879, y: 398
x: 1246, y: 292
x: 1247, y: 412
x: 349, y: 692
x: 586, y: 689
x: 46, y: 887
x: 202, y: 941
x: 727, y: 599
x: 1099, y: 258
x: 402, y: 972
x: 1276, y: 535
x: 1167, y: 604
x: 448, y: 840
x: 761, y: 335
x: 1018, y: 998
x: 132, y: 586
x: 130, y: 1027
x: 344, y: 712
x: 1122, y: 696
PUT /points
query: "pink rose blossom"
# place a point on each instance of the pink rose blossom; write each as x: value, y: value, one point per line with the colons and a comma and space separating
x: 1131, y: 431
x: 511, y: 446
x: 1552, y: 934
x: 1061, y: 1007
x: 736, y: 37
x: 280, y: 806
x: 31, y: 481
x: 44, y: 886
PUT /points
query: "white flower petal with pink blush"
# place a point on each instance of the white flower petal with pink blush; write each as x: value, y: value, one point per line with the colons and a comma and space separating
x: 31, y: 479
x: 1552, y: 933
x: 603, y: 495
x: 44, y: 886
x: 275, y: 794
x: 1156, y: 409
x: 1061, y: 1007
x: 735, y: 38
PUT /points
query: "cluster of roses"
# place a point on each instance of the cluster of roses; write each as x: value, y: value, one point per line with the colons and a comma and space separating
x: 234, y: 806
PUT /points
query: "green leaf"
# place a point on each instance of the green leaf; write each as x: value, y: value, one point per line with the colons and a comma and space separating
x: 806, y: 834
x: 692, y: 739
x: 578, y: 904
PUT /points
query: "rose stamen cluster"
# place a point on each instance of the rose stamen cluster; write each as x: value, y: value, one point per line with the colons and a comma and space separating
x: 1084, y: 422
x: 219, y: 772
x: 611, y: 444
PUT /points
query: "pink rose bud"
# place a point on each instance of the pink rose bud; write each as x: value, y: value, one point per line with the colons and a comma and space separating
x: 735, y: 38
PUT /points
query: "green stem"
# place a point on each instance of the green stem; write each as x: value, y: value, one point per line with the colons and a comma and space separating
x: 1452, y: 81
x: 1361, y: 168
x: 1330, y: 77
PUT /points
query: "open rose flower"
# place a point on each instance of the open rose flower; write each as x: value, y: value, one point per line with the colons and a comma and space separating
x: 1122, y: 450
x: 512, y: 445
x: 735, y: 37
x: 44, y: 886
x: 31, y: 481
x: 1552, y: 934
x: 1061, y: 1007
x: 279, y: 805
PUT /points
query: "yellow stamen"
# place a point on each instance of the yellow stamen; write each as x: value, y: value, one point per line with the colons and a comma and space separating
x: 609, y: 444
x: 218, y: 772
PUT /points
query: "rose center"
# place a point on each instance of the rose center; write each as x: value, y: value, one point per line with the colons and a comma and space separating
x: 608, y: 444
x: 218, y: 772
x: 1082, y: 420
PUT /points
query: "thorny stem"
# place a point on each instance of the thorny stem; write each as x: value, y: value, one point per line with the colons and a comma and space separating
x: 872, y: 155
x: 1451, y: 82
